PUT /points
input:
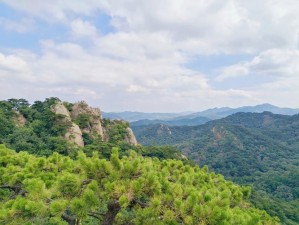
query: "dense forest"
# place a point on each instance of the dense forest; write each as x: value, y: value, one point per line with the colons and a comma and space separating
x: 49, y: 179
x: 257, y: 149
x: 130, y: 190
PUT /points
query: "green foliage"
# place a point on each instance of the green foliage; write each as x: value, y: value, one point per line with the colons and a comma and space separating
x: 257, y: 149
x: 116, y: 130
x: 128, y: 190
x: 83, y: 120
x: 42, y: 132
x: 18, y: 104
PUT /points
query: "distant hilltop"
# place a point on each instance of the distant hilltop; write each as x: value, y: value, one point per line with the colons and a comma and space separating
x: 193, y: 118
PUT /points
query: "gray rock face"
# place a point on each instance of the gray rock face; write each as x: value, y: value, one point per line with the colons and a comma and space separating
x: 73, y: 134
x: 130, y: 137
x: 92, y: 123
x: 59, y: 108
x: 95, y: 116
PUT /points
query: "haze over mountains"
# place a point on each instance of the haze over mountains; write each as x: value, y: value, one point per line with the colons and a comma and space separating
x: 193, y: 118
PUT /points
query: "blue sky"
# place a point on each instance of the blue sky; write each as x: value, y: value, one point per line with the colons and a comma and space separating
x: 168, y: 56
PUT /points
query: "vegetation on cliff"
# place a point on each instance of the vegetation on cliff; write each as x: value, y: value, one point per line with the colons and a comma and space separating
x: 47, y: 127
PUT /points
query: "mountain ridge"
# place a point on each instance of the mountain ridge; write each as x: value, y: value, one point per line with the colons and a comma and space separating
x: 185, y: 118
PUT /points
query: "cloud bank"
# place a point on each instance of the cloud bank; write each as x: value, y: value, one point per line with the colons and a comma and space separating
x: 137, y: 58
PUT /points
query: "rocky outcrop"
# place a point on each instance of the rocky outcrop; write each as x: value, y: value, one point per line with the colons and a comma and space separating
x: 164, y: 129
x: 79, y: 118
x: 73, y: 134
x: 59, y: 108
x: 130, y: 137
x: 94, y: 124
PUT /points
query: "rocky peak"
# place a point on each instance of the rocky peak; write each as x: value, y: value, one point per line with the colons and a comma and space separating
x: 59, y: 108
x: 74, y: 133
x: 92, y: 115
x: 83, y: 119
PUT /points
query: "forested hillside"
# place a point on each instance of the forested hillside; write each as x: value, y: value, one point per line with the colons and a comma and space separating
x: 174, y: 122
x: 105, y: 178
x: 41, y: 130
x: 258, y: 149
x: 128, y: 190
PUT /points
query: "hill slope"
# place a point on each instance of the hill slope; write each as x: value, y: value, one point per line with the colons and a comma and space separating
x: 261, y: 149
x: 173, y: 122
x: 130, y: 190
x: 53, y: 125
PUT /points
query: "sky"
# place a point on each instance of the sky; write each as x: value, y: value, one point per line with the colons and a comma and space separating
x: 151, y: 56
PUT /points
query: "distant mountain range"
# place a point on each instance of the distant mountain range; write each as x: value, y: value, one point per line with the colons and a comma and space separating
x: 135, y: 116
x: 218, y: 113
x: 193, y: 118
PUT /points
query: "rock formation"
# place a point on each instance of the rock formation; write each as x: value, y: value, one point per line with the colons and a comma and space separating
x: 73, y: 134
x: 60, y: 109
x: 94, y: 116
x: 81, y: 118
x: 130, y: 137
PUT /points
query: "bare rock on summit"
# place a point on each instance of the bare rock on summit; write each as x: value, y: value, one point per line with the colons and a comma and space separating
x: 73, y: 134
x: 93, y: 114
x: 81, y: 119
x: 60, y: 109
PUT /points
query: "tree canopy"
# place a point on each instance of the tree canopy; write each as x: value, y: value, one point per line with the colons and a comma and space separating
x: 128, y: 190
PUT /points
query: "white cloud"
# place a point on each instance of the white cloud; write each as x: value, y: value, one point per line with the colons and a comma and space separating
x: 274, y: 62
x: 141, y: 64
x: 14, y: 67
x: 136, y: 88
x: 56, y: 10
x: 69, y: 71
x: 82, y: 28
x: 233, y: 71
x: 13, y: 63
x: 214, y: 26
x: 278, y: 69
x: 196, y: 27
